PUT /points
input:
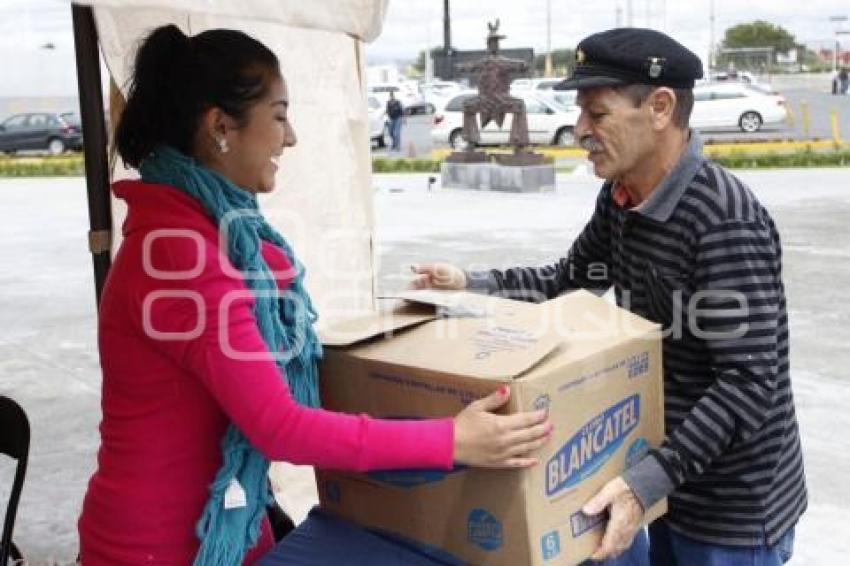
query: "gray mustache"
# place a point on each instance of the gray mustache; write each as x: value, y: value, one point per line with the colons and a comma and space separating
x: 590, y: 143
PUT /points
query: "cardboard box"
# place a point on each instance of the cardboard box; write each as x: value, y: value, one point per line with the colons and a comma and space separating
x: 595, y: 366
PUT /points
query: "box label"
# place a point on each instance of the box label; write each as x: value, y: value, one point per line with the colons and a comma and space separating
x: 501, y: 339
x: 551, y: 543
x: 484, y: 530
x: 594, y: 443
x: 581, y: 523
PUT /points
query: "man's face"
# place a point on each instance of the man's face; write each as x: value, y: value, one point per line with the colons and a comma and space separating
x: 617, y: 135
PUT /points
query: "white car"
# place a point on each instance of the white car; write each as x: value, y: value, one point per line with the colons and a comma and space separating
x: 436, y: 91
x: 548, y: 122
x: 566, y: 98
x: 377, y: 120
x: 407, y: 92
x: 740, y: 105
x: 732, y: 76
x: 534, y: 84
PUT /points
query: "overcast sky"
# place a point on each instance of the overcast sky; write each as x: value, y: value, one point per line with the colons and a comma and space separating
x: 411, y: 25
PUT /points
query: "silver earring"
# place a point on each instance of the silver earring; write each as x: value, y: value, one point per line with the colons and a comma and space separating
x: 222, y: 145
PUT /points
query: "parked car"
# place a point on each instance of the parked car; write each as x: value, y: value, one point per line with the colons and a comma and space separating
x: 377, y: 121
x: 548, y: 122
x: 407, y: 92
x: 420, y: 108
x: 379, y: 124
x: 534, y: 84
x: 732, y: 76
x: 748, y: 107
x: 566, y: 98
x: 439, y: 91
x: 50, y: 132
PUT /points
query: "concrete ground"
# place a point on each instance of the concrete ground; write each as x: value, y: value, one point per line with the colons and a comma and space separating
x: 48, y: 356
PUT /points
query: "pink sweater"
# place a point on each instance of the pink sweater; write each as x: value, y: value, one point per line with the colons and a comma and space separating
x: 168, y: 398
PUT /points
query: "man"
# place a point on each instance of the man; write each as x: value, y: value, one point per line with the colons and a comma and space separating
x: 684, y: 243
x: 395, y: 113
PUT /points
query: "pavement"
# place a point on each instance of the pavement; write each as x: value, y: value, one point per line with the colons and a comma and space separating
x: 49, y: 363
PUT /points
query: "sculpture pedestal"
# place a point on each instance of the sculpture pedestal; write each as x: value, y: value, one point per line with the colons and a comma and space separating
x: 466, y: 157
x: 496, y: 177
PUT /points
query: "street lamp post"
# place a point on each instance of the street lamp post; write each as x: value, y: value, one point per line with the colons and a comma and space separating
x: 836, y: 20
x: 548, y: 66
x: 711, y: 61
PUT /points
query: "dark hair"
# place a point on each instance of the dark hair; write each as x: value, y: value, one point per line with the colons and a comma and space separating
x: 176, y: 78
x: 638, y: 93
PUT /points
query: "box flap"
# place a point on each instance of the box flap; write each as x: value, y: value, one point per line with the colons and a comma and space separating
x: 360, y: 328
x: 585, y: 316
x: 447, y: 303
x: 508, y: 339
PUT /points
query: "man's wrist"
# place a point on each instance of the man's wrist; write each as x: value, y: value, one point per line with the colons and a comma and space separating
x: 481, y: 282
x: 648, y: 481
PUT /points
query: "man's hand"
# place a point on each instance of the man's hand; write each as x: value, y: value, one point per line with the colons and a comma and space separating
x: 625, y: 516
x: 438, y: 276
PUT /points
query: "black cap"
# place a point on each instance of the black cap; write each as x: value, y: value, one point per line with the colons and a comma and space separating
x: 624, y: 56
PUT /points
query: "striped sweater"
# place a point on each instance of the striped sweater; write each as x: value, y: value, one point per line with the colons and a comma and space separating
x: 702, y: 257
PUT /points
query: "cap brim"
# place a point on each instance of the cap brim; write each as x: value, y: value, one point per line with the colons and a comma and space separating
x: 575, y: 83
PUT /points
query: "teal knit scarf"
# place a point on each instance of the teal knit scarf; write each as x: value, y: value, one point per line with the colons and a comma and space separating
x: 285, y: 321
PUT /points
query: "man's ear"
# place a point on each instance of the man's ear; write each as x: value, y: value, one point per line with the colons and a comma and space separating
x: 662, y: 103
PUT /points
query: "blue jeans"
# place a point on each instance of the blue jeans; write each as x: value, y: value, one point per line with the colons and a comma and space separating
x: 636, y: 555
x: 395, y: 133
x: 669, y: 548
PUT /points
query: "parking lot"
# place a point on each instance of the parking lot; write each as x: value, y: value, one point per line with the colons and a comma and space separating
x: 808, y: 101
x: 49, y: 361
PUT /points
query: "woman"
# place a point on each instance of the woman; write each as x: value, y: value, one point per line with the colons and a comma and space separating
x: 201, y: 294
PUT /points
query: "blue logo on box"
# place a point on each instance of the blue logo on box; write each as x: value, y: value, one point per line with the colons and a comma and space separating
x: 592, y: 445
x: 551, y: 543
x: 332, y: 491
x: 412, y: 478
x: 638, y: 365
x: 484, y: 530
x: 636, y: 451
x: 542, y: 402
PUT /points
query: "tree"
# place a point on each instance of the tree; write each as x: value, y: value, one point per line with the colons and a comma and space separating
x: 562, y: 61
x: 419, y: 64
x: 759, y: 34
x: 755, y: 46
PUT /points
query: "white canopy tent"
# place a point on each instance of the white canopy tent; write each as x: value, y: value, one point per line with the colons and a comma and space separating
x: 323, y: 202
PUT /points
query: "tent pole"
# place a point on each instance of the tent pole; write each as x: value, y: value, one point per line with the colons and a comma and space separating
x: 94, y: 143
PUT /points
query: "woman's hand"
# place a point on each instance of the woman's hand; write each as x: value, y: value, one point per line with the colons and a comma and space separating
x: 438, y: 276
x: 498, y: 441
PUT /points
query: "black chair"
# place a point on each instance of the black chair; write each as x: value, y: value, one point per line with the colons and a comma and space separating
x: 14, y: 442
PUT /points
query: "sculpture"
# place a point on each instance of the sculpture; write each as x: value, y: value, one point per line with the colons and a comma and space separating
x: 494, y: 100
